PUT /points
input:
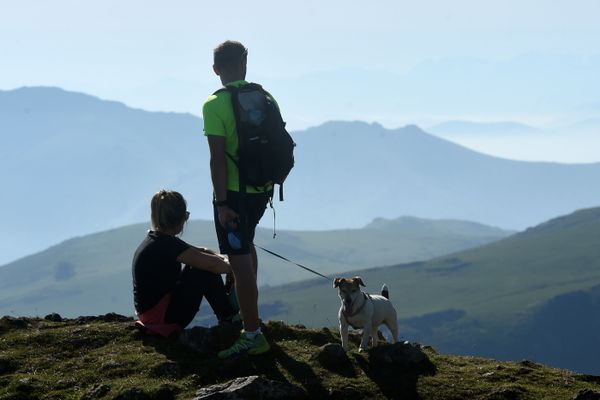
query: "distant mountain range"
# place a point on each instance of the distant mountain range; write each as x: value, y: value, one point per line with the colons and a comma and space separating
x: 92, y: 274
x: 450, y: 129
x: 73, y: 164
x: 534, y: 295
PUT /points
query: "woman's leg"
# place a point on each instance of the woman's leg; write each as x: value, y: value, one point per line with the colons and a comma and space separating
x: 187, y: 295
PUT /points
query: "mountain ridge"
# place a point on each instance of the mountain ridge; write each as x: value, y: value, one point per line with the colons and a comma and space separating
x: 462, y: 127
x: 102, y: 167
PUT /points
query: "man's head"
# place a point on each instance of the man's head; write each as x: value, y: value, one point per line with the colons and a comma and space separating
x: 230, y: 61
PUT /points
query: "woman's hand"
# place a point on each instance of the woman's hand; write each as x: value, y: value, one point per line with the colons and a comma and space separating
x: 224, y: 267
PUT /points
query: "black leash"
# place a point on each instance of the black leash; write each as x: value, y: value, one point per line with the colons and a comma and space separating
x: 285, y: 259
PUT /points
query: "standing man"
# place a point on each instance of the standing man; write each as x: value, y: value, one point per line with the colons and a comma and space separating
x: 234, y: 211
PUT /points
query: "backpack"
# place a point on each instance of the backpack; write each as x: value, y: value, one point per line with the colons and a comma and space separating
x: 266, y: 150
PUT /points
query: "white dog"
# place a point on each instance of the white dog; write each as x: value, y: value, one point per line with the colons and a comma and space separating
x: 362, y: 310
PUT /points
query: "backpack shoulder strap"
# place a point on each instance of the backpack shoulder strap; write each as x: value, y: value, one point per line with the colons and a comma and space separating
x: 248, y: 86
x: 253, y: 86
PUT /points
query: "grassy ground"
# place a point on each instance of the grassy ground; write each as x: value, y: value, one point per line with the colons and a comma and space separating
x: 40, y: 359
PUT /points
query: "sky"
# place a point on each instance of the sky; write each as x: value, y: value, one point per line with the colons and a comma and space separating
x: 157, y: 55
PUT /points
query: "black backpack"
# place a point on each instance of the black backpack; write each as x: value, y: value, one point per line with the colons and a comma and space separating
x: 266, y: 150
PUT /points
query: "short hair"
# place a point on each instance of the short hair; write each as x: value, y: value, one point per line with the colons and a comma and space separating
x: 167, y: 210
x: 229, y: 55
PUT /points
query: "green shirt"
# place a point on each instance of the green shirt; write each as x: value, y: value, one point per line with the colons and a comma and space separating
x: 219, y: 120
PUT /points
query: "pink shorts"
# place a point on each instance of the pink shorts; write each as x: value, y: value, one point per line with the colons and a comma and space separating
x: 153, y: 320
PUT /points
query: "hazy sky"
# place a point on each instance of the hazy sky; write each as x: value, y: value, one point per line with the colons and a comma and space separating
x: 157, y: 55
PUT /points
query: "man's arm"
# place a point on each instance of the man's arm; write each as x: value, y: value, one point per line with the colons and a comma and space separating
x: 218, y: 173
x: 218, y: 166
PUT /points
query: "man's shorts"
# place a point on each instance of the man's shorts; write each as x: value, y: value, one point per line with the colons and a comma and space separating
x: 250, y: 207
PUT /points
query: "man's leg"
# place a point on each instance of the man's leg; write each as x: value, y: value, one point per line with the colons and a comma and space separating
x: 251, y: 340
x: 244, y: 267
x: 254, y: 260
x: 246, y: 289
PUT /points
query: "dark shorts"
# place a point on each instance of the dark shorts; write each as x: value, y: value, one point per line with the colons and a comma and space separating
x: 250, y: 207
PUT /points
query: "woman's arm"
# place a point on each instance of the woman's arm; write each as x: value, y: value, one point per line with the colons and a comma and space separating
x: 207, y: 250
x: 198, y: 258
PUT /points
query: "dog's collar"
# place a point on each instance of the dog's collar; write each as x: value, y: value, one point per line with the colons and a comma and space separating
x: 346, y: 315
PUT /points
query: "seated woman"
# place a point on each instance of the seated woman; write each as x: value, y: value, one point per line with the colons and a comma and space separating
x: 166, y: 296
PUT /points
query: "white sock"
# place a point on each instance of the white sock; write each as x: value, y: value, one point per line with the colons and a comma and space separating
x: 252, y: 334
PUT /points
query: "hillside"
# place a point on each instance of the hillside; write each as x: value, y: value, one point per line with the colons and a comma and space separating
x: 533, y: 295
x: 105, y: 357
x: 96, y: 163
x: 93, y: 273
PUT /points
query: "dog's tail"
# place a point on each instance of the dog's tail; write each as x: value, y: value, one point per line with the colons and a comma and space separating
x: 385, y: 292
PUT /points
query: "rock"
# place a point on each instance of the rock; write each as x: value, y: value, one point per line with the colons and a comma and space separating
x: 7, y: 366
x: 587, y: 394
x: 333, y: 350
x: 343, y: 393
x: 589, y: 378
x: 25, y: 388
x: 114, y: 317
x: 507, y: 393
x: 168, y: 369
x: 54, y: 317
x: 165, y: 392
x: 523, y: 371
x: 133, y: 394
x: 429, y: 348
x: 529, y: 364
x: 333, y: 357
x: 110, y: 317
x: 97, y: 391
x: 251, y: 387
x: 112, y: 364
x: 201, y: 339
x: 7, y: 323
x: 405, y: 356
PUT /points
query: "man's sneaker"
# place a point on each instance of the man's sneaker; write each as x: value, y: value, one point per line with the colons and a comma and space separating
x: 244, y: 345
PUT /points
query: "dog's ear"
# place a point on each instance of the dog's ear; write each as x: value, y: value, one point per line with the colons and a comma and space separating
x: 358, y: 280
x: 336, y: 282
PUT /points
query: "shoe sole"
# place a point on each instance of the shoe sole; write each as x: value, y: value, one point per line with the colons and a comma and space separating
x: 257, y: 352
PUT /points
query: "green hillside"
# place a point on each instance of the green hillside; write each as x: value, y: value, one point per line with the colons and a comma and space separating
x: 92, y: 274
x: 489, y: 300
x: 105, y: 357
